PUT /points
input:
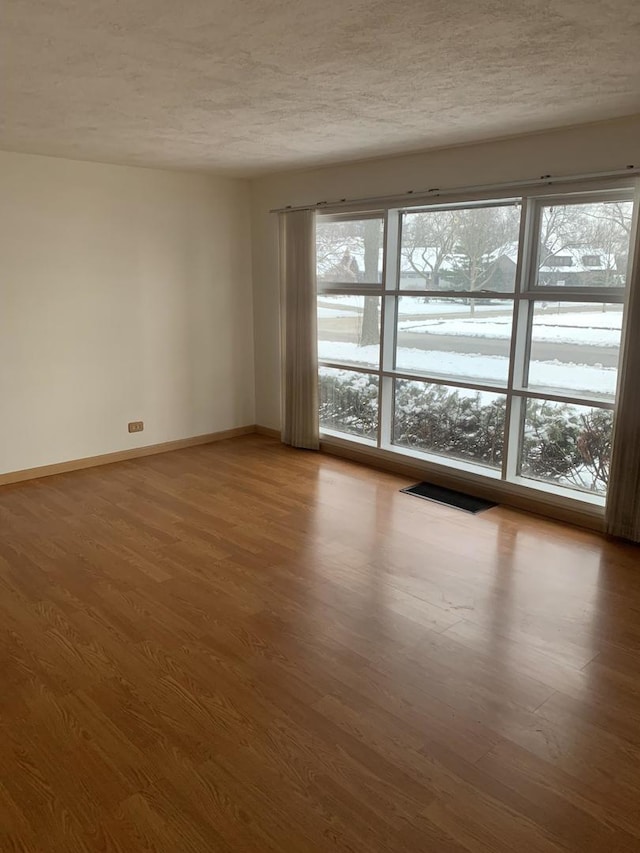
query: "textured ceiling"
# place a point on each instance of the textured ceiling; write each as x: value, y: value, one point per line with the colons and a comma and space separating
x: 249, y: 86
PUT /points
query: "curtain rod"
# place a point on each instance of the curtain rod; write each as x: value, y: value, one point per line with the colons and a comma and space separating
x: 436, y: 192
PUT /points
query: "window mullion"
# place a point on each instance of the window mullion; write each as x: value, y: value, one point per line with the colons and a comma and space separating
x: 391, y: 264
x: 518, y: 357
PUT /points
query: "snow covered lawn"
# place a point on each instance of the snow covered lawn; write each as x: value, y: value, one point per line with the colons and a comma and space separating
x: 585, y: 329
x: 328, y: 313
x: 586, y: 379
x: 345, y: 306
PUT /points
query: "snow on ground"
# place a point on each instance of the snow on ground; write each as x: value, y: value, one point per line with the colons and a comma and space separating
x: 346, y: 305
x: 595, y: 319
x: 581, y: 378
x: 585, y: 329
x: 417, y: 306
x: 329, y: 313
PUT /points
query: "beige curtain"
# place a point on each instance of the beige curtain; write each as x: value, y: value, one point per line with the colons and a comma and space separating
x: 623, y: 501
x: 298, y: 326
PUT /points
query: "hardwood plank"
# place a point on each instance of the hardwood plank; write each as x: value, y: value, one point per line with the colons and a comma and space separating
x: 573, y: 808
x: 239, y: 646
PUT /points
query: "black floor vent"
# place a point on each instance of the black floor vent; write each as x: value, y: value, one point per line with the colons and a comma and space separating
x: 429, y: 492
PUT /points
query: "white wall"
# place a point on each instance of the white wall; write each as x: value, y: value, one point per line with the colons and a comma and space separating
x: 598, y: 147
x: 125, y: 294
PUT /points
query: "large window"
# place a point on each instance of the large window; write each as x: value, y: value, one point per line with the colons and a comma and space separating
x: 484, y: 336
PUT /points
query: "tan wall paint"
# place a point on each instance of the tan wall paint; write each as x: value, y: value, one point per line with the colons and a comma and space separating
x: 596, y: 147
x: 125, y: 294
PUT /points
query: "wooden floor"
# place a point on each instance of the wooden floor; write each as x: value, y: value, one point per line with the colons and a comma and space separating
x: 242, y: 647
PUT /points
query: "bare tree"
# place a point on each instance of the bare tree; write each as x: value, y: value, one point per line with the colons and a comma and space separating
x: 483, y: 235
x: 428, y: 238
x: 349, y: 253
x: 480, y: 235
x: 337, y: 243
x: 556, y: 233
x: 606, y: 229
x: 617, y: 215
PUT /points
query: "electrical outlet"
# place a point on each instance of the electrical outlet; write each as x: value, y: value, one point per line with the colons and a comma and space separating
x: 136, y: 426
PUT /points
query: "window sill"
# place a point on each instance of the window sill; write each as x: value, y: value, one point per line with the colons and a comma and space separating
x: 334, y: 435
x: 556, y: 502
x: 562, y: 492
x: 468, y: 467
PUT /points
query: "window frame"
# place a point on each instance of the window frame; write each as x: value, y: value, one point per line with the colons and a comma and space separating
x: 527, y: 292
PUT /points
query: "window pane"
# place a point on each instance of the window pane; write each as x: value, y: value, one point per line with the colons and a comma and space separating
x: 567, y: 445
x: 584, y: 245
x: 471, y: 249
x: 465, y: 339
x: 348, y: 402
x: 454, y: 422
x: 349, y: 329
x: 575, y: 347
x: 349, y: 252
